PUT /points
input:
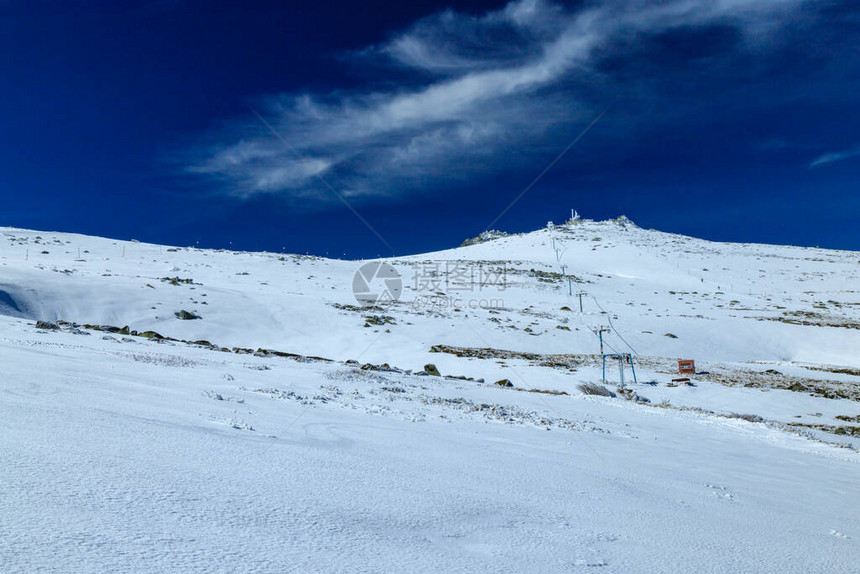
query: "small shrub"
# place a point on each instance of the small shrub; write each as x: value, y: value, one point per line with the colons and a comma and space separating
x: 632, y: 395
x: 746, y: 417
x: 547, y: 392
x: 595, y: 389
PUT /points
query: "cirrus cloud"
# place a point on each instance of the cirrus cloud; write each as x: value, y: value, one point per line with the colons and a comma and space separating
x: 480, y: 87
x: 831, y: 157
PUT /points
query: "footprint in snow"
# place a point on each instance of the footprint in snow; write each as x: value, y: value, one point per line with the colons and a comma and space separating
x: 591, y: 563
x: 720, y: 492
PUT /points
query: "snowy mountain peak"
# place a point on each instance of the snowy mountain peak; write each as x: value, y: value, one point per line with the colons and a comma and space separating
x: 240, y: 400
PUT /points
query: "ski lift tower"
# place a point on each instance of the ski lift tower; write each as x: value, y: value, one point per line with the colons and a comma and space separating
x: 620, y: 357
x: 580, y: 293
x: 599, y: 332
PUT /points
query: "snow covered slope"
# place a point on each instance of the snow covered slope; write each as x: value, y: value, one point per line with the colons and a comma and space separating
x: 293, y: 428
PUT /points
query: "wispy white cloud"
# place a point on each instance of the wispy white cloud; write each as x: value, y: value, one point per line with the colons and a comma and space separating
x: 482, y: 86
x: 835, y: 156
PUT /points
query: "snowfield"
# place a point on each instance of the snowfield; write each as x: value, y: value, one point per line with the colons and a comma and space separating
x: 292, y: 428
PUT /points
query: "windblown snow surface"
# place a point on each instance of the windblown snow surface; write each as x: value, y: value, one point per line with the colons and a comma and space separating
x: 293, y: 429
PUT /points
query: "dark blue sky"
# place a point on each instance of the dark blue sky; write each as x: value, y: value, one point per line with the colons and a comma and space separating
x: 214, y: 122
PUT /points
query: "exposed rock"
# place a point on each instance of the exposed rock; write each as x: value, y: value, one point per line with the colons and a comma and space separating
x: 151, y: 335
x: 178, y: 281
x: 186, y: 315
x: 379, y: 320
x: 484, y: 237
x: 112, y: 329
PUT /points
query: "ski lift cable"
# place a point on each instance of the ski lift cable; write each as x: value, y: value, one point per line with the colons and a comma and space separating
x: 594, y: 332
x: 594, y: 329
x: 612, y: 326
x: 629, y: 346
x: 559, y: 251
x: 620, y: 336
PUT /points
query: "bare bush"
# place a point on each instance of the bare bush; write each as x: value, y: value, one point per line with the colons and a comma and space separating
x: 595, y: 389
x: 746, y: 417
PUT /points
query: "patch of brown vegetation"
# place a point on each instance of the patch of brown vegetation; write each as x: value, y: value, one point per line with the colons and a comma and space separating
x: 545, y: 392
x: 848, y: 418
x: 568, y: 362
x: 776, y: 380
x: 813, y: 319
x: 837, y: 370
x: 833, y: 429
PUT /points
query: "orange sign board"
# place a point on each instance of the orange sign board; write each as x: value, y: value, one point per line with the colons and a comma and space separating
x: 687, y: 366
